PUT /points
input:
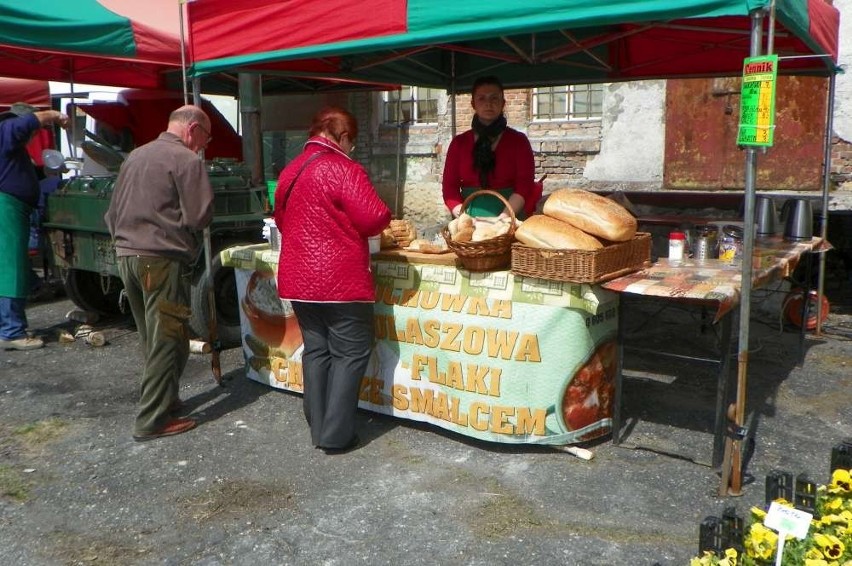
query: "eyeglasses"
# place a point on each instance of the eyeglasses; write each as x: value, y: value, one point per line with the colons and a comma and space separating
x: 206, y: 132
x: 350, y: 143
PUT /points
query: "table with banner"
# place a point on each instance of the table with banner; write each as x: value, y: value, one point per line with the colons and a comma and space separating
x: 713, y: 285
x: 492, y: 356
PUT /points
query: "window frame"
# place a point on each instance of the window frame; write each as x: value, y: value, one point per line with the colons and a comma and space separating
x: 415, y: 101
x: 569, y: 114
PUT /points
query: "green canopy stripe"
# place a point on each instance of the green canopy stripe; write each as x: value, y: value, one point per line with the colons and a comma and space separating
x: 97, y: 30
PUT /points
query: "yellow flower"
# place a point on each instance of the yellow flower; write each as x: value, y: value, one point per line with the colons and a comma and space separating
x: 841, y: 481
x: 834, y: 504
x: 830, y: 545
x: 730, y: 558
x: 814, y: 553
x: 816, y: 562
x: 761, y: 542
x: 704, y: 560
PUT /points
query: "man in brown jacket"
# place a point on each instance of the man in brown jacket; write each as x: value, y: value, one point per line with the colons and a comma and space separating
x: 161, y: 202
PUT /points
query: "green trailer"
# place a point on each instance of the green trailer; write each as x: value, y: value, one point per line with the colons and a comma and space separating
x: 81, y: 250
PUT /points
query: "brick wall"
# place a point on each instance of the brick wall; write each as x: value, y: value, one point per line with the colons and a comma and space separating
x: 562, y: 150
x: 841, y: 162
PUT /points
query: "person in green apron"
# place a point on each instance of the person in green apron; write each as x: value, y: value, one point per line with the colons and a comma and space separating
x: 492, y: 156
x: 19, y: 194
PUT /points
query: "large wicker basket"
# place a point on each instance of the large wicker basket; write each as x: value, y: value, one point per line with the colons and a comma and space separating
x: 583, y: 266
x: 487, y: 255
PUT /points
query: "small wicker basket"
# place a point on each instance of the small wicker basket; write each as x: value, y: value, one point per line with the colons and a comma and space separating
x: 487, y: 255
x: 583, y: 266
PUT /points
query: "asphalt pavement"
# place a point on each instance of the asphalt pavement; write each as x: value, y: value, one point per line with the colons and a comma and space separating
x: 246, y: 486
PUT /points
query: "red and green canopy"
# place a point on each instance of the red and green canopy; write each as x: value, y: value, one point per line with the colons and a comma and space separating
x: 445, y: 43
x: 88, y: 41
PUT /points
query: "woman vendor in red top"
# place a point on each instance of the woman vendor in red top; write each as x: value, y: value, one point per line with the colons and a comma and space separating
x: 490, y: 156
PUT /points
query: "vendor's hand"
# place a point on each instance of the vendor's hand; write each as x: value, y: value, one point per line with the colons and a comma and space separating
x: 457, y: 211
x: 46, y: 117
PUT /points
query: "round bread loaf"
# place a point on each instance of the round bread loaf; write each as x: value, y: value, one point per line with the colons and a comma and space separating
x: 592, y: 213
x: 540, y: 231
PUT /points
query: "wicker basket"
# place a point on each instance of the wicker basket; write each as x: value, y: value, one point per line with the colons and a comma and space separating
x: 582, y: 266
x: 488, y: 255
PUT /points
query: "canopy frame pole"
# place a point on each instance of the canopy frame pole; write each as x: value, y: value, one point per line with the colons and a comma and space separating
x: 452, y: 93
x: 399, y: 123
x: 184, y: 80
x: 735, y: 488
x: 826, y: 184
x: 770, y: 33
x: 71, y: 133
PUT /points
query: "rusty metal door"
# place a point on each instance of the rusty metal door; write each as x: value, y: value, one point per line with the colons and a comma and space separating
x: 702, y: 116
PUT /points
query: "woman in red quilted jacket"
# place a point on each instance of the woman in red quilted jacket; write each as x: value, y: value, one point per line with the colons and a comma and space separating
x: 325, y: 209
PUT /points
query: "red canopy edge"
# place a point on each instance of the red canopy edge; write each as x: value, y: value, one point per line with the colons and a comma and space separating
x: 267, y: 25
x: 32, y: 92
x: 824, y: 25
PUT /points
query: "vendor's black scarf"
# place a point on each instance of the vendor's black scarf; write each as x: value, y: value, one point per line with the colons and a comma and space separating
x: 484, y: 160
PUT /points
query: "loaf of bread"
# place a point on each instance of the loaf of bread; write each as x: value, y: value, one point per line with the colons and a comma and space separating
x: 426, y: 247
x: 592, y: 213
x: 403, y: 231
x: 487, y: 228
x: 541, y: 231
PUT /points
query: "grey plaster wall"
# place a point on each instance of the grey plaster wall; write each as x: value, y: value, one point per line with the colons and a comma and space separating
x: 632, y: 134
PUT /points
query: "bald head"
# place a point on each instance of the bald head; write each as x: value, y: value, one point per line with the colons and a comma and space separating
x: 192, y: 125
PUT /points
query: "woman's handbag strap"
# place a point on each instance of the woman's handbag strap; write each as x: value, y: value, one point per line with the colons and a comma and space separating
x: 293, y: 182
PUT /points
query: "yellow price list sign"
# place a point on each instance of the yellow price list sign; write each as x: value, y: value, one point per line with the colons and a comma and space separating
x: 757, y: 110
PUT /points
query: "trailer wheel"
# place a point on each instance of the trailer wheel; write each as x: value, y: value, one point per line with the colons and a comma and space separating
x: 227, y: 305
x: 94, y: 292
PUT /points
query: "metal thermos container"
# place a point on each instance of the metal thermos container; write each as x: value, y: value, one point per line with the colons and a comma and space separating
x: 798, y: 225
x: 765, y: 216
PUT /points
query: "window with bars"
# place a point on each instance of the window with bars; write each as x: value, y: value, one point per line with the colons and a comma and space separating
x: 568, y: 102
x: 411, y: 104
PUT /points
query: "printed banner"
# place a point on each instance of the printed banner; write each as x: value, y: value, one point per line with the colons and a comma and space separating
x: 488, y: 355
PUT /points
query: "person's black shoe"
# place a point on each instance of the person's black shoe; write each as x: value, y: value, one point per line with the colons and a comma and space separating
x: 356, y: 440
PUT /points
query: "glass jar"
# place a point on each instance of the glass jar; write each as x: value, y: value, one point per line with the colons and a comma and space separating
x: 731, y: 243
x: 677, y: 246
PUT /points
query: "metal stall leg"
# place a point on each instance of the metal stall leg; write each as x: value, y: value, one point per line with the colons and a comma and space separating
x: 619, y: 373
x: 806, y: 301
x: 723, y: 387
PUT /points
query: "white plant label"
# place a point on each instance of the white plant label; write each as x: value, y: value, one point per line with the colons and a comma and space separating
x: 787, y: 520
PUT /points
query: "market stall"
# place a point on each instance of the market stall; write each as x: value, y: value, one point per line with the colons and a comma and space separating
x: 448, y: 44
x: 489, y: 355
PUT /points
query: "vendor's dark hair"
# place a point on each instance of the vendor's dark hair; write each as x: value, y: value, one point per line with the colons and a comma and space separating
x: 334, y: 121
x: 488, y: 80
